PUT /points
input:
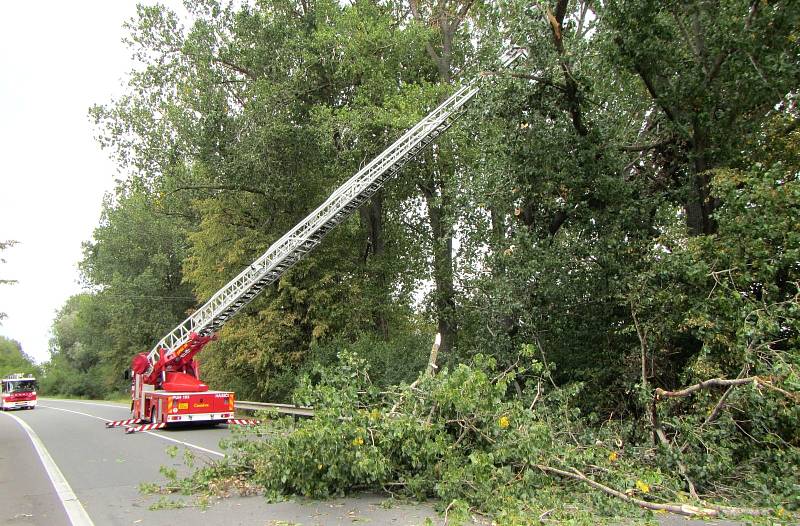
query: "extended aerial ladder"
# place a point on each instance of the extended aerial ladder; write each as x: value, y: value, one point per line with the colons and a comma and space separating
x: 170, y: 367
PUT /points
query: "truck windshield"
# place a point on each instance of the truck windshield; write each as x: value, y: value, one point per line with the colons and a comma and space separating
x: 22, y: 386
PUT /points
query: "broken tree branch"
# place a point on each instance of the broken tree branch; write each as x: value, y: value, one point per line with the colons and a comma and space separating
x: 707, y: 510
x: 430, y: 370
x: 680, y: 509
x: 723, y: 382
x: 715, y: 412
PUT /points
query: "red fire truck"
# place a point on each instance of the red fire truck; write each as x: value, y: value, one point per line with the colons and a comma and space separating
x: 18, y: 392
x: 170, y: 392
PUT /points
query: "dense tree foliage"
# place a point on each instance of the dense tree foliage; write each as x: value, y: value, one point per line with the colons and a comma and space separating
x: 612, y: 221
x: 14, y: 360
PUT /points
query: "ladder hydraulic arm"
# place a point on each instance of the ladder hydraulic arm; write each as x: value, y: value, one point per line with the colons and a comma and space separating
x: 170, y: 363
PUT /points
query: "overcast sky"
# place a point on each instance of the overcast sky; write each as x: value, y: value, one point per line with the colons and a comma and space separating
x: 57, y: 58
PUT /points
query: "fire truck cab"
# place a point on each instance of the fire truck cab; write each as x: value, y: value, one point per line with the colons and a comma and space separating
x: 18, y: 391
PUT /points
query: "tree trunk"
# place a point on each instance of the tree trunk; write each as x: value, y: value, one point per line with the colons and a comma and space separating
x: 700, y: 205
x: 372, y: 221
x: 444, y: 296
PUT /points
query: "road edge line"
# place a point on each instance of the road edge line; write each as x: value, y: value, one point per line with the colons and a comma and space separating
x: 75, y: 510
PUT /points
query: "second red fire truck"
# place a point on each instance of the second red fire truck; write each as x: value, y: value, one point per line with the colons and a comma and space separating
x: 18, y: 391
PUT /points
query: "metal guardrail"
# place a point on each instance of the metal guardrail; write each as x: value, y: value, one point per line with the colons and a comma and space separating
x: 288, y: 409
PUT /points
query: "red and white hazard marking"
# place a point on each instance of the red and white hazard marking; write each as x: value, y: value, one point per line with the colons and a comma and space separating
x: 243, y: 422
x: 144, y: 427
x: 126, y: 422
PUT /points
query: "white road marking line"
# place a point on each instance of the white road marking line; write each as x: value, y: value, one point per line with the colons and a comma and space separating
x: 75, y: 511
x: 107, y: 404
x: 187, y: 444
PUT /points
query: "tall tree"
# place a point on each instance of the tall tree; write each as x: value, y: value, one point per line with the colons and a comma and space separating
x: 447, y: 46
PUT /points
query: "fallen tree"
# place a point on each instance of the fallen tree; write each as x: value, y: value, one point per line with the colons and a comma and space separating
x: 458, y: 436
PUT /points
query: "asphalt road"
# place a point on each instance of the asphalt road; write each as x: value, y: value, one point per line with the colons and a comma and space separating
x: 103, y: 468
x: 91, y: 475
